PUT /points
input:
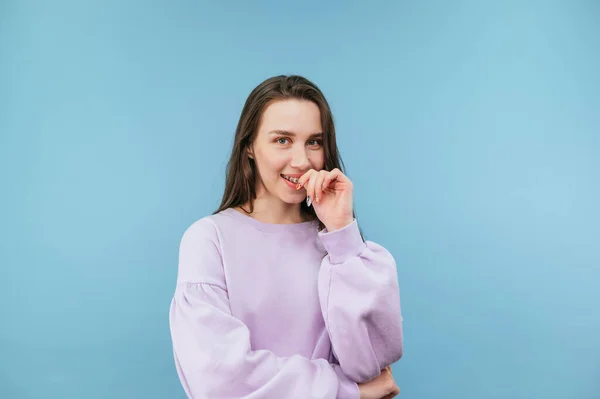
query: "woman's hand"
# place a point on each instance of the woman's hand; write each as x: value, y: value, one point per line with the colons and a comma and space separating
x: 331, y: 195
x: 380, y: 387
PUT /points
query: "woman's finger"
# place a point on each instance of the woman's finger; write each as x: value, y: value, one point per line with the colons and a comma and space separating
x: 340, y: 176
x: 319, y: 179
x: 310, y: 185
x: 392, y: 395
x: 331, y: 176
x: 304, y: 178
x: 336, y: 175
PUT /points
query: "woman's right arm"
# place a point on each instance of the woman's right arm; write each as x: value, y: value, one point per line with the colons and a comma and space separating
x: 212, y: 349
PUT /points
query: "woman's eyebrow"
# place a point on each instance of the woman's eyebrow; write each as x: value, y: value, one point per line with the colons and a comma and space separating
x: 292, y: 134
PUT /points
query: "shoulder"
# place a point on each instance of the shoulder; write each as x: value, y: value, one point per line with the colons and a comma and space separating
x: 202, y: 231
x: 210, y: 228
x: 200, y: 257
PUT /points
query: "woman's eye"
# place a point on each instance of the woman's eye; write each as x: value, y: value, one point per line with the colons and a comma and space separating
x: 282, y: 140
x: 314, y: 143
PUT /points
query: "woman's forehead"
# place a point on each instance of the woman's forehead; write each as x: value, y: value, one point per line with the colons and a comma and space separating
x: 297, y: 117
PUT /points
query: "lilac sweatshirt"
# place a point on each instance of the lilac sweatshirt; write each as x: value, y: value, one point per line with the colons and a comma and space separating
x: 282, y: 310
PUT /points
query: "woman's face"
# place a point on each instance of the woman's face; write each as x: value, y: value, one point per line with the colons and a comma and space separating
x: 288, y: 143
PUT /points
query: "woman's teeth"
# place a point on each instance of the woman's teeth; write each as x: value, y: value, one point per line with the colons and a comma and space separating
x: 292, y: 179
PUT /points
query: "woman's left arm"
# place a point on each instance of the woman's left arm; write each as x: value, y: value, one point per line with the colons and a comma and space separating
x: 360, y: 302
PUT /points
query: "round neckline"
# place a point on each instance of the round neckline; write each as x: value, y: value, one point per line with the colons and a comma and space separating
x: 270, y: 227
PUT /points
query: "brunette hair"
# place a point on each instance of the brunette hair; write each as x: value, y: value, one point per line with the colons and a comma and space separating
x: 240, y: 183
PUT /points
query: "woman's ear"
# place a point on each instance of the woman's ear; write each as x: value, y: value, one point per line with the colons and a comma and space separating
x: 250, y: 152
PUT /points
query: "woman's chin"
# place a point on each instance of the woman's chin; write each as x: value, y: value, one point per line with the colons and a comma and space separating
x: 292, y: 199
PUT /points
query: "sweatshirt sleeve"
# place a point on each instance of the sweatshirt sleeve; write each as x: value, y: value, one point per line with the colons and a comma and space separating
x: 212, y: 351
x: 360, y: 301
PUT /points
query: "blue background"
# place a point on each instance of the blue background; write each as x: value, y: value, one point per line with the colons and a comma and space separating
x: 470, y: 130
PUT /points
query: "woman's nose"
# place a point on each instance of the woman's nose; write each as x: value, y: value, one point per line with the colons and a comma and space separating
x: 300, y: 159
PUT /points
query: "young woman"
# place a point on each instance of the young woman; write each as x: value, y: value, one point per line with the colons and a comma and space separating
x: 278, y: 295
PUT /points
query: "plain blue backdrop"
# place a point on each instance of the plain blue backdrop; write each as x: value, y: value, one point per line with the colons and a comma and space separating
x: 471, y: 130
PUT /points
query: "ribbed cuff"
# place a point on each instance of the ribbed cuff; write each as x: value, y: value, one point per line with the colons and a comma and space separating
x: 343, y: 244
x: 348, y: 389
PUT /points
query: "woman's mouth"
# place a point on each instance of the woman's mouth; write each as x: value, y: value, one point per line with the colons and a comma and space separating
x: 292, y: 182
x: 290, y: 179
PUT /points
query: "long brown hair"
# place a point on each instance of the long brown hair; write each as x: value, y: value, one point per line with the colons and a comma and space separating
x: 240, y: 183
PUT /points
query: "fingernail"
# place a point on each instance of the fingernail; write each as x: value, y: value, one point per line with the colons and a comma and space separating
x: 317, y: 199
x: 298, y: 186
